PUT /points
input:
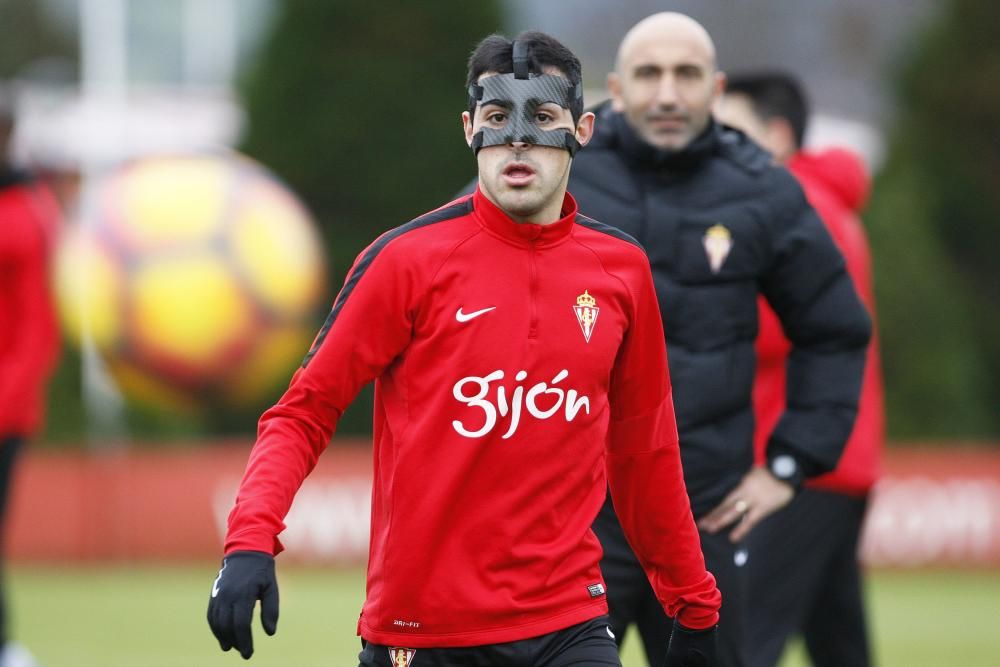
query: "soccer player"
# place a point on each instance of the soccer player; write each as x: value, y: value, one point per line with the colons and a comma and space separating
x: 806, y: 578
x: 721, y: 224
x: 519, y: 368
x: 29, y: 335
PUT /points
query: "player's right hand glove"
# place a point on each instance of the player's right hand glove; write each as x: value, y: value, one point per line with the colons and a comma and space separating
x: 691, y: 648
x: 245, y: 577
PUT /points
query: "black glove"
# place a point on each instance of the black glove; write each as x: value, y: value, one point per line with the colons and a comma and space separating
x: 245, y: 577
x: 691, y: 648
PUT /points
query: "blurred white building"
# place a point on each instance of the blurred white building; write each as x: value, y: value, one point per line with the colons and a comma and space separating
x: 158, y: 75
x: 155, y: 76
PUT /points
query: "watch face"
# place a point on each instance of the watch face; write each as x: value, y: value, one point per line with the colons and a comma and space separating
x: 783, y: 466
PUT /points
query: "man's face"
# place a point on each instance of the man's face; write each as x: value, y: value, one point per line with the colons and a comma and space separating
x: 666, y: 88
x: 775, y: 134
x: 527, y: 181
x: 736, y: 110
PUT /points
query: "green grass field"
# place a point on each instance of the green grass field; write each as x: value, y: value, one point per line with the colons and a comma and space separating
x: 155, y: 617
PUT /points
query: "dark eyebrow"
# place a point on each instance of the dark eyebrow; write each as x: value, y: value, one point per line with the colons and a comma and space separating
x: 647, y: 67
x: 503, y: 104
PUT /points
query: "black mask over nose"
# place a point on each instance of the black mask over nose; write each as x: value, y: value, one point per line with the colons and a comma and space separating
x: 521, y: 94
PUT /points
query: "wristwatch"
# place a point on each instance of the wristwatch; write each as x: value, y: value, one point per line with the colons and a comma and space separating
x: 787, y: 469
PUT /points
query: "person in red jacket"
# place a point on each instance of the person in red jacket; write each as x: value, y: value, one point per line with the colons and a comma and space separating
x: 519, y: 366
x: 805, y: 577
x: 29, y: 334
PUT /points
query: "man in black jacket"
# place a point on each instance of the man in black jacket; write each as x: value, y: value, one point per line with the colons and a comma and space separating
x: 721, y: 224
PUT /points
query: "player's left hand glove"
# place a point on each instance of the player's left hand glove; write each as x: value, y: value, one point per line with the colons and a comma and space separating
x: 691, y: 648
x: 245, y: 577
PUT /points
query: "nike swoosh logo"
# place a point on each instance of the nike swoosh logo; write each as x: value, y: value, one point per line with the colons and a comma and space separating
x: 215, y: 584
x: 465, y: 317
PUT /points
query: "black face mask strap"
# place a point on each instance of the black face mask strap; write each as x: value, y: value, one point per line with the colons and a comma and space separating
x: 475, y: 94
x: 572, y: 145
x: 477, y: 142
x: 521, y: 59
x: 540, y: 88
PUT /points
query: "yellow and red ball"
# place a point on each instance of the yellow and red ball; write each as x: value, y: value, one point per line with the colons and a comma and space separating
x: 195, y: 277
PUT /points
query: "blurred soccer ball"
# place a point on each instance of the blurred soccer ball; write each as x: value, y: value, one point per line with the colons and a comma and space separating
x: 195, y: 278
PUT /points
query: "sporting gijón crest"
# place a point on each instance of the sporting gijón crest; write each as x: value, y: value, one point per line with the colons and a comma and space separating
x: 401, y: 657
x: 718, y: 241
x: 586, y: 313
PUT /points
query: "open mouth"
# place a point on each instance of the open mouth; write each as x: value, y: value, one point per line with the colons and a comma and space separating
x: 518, y: 174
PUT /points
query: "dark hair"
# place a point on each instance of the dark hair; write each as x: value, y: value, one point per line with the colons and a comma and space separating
x: 6, y: 104
x: 496, y: 54
x: 774, y: 95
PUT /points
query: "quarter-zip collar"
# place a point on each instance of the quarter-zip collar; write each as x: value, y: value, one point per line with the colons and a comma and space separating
x: 526, y: 234
x: 612, y: 131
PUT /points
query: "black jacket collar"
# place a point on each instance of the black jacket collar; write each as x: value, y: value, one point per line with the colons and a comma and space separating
x: 613, y: 131
x: 11, y: 177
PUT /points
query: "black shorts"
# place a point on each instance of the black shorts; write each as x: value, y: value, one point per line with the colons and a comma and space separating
x: 805, y: 579
x: 588, y: 644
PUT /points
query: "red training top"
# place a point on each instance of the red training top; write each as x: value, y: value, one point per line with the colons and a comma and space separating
x: 519, y: 368
x: 836, y: 185
x: 29, y: 333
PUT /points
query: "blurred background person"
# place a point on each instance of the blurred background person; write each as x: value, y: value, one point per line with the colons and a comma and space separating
x: 29, y: 335
x: 721, y: 224
x: 805, y: 576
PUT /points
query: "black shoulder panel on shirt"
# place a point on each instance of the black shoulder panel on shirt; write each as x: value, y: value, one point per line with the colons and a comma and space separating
x: 590, y: 223
x: 11, y: 177
x: 456, y: 210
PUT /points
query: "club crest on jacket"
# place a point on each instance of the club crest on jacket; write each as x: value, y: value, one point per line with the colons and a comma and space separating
x: 718, y: 241
x: 586, y: 313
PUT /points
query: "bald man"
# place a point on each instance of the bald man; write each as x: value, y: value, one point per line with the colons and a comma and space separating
x: 721, y: 223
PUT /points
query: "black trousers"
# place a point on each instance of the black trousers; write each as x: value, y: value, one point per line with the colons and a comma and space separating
x: 805, y: 579
x: 631, y: 599
x: 10, y: 447
x: 588, y: 644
